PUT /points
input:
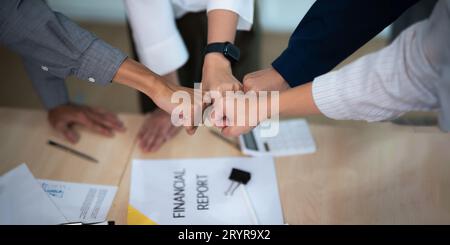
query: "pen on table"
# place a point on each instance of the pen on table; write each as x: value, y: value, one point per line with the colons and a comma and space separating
x: 228, y: 141
x: 75, y: 152
x: 93, y: 223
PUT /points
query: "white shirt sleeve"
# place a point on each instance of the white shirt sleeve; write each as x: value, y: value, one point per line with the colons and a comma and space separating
x: 405, y: 76
x: 159, y: 44
x: 244, y: 8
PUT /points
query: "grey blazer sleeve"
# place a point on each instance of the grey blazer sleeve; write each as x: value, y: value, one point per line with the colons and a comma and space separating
x: 56, y: 44
x: 51, y: 89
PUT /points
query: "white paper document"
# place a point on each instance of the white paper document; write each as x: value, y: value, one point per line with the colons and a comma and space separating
x: 84, y: 203
x: 192, y: 191
x: 293, y: 138
x: 22, y: 201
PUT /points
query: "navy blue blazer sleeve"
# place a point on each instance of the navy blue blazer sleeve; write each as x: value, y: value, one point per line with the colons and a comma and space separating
x: 330, y: 32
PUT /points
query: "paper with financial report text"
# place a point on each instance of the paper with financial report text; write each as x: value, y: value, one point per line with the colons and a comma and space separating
x: 192, y: 192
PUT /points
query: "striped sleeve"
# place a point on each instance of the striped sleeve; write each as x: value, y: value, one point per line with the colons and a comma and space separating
x: 382, y: 85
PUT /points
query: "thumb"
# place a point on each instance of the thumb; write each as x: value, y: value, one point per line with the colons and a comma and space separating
x: 191, y: 130
x: 70, y: 134
x: 235, y: 131
x: 238, y: 87
x: 227, y: 131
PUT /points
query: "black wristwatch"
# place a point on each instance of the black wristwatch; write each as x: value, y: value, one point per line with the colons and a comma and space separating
x: 230, y: 51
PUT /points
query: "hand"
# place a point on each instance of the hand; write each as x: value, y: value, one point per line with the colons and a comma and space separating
x: 187, y: 114
x: 136, y: 75
x: 63, y: 118
x: 217, y: 74
x: 156, y: 130
x: 236, y: 115
x: 265, y: 80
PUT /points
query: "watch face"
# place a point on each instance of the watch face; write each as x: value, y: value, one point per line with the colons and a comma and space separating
x: 232, y: 52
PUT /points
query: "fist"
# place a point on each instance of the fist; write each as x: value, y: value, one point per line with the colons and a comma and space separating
x: 265, y: 80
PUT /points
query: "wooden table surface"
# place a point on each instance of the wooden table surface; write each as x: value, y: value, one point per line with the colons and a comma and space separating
x: 24, y: 135
x: 361, y: 174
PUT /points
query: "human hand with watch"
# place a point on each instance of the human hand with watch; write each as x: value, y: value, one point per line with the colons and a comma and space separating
x: 139, y: 77
x: 217, y: 76
x: 217, y: 73
x: 220, y: 52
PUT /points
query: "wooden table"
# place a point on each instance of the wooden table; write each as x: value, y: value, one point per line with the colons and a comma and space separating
x: 24, y: 135
x: 361, y: 174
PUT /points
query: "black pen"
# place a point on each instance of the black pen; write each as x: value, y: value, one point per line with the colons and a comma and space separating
x: 94, y: 223
x: 75, y: 152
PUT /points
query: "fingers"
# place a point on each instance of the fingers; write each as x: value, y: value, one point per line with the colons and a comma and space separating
x: 196, y: 118
x: 147, y: 139
x: 144, y: 129
x: 156, y: 130
x: 228, y: 86
x: 105, y: 119
x: 229, y: 132
x: 190, y: 124
x: 71, y: 135
x: 222, y: 118
x: 237, y: 86
x: 67, y: 131
x: 265, y: 80
x: 154, y: 138
x: 250, y: 82
x: 172, y: 132
x: 190, y: 130
x: 92, y: 124
x: 158, y: 141
x: 64, y: 117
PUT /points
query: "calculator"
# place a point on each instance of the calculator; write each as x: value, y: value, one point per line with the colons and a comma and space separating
x: 293, y: 138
